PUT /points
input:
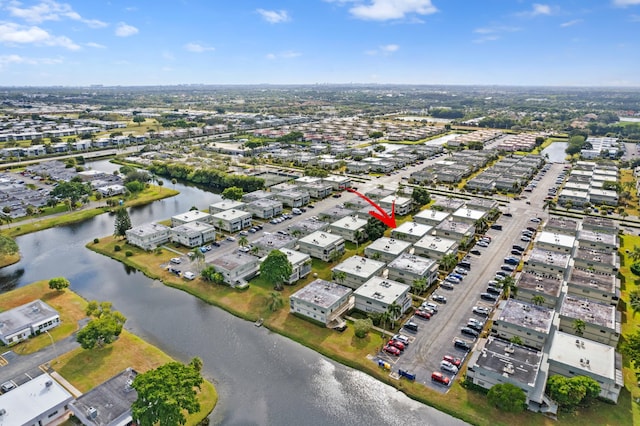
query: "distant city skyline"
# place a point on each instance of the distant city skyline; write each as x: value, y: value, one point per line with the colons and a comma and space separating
x: 430, y: 42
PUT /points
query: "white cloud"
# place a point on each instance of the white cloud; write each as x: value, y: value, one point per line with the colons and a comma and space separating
x: 625, y: 3
x: 486, y: 39
x: 168, y: 56
x: 49, y: 10
x: 274, y: 16
x: 386, y: 49
x: 96, y: 45
x: 634, y: 18
x: 14, y: 34
x: 124, y: 30
x: 384, y: 10
x: 289, y: 54
x: 198, y: 48
x: 6, y: 60
x: 496, y: 29
x: 537, y: 10
x: 570, y: 23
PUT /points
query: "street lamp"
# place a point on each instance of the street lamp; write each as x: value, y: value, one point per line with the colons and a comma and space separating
x: 55, y: 352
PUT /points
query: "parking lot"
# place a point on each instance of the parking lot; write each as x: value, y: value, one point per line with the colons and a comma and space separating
x: 435, y: 337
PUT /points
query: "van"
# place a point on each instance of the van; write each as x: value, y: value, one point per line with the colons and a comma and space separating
x: 296, y: 211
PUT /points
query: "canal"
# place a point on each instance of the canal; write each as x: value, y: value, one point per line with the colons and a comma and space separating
x: 262, y: 378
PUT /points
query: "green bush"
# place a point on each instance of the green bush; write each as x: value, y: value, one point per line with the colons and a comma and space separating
x: 128, y: 253
x: 96, y: 241
x: 117, y: 248
x: 635, y: 268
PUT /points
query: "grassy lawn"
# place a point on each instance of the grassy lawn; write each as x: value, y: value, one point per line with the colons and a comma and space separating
x: 70, y: 306
x: 630, y: 324
x: 86, y: 369
x: 626, y: 175
x: 251, y: 304
x: 9, y: 259
x: 145, y: 197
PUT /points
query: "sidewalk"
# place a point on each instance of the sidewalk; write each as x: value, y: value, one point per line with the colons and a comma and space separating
x: 68, y: 386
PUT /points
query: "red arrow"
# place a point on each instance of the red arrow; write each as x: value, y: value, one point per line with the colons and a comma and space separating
x: 383, y: 217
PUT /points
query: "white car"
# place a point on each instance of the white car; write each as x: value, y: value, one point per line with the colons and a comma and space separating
x: 430, y: 305
x: 176, y: 260
x: 189, y: 275
x: 535, y: 220
x: 447, y: 366
x: 481, y: 310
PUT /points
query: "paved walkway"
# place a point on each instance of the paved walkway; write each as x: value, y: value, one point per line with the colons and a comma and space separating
x: 68, y: 386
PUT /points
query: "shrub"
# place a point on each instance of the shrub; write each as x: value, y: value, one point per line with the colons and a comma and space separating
x: 635, y: 268
x: 362, y: 327
x: 117, y: 248
x: 128, y: 253
x: 96, y: 240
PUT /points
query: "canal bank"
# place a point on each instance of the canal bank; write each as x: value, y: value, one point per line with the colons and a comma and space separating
x: 261, y: 377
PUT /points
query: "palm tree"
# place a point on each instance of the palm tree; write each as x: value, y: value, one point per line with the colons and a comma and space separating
x: 394, y: 310
x: 255, y: 250
x: 538, y: 300
x: 579, y: 326
x: 220, y: 223
x: 568, y: 205
x: 339, y: 276
x: 198, y: 257
x: 448, y: 261
x: 548, y: 205
x: 481, y: 225
x: 419, y: 285
x: 296, y: 233
x: 509, y: 285
x: 243, y: 241
x: 358, y: 236
x: 634, y: 301
x: 385, y: 317
x: 275, y: 301
x: 635, y: 254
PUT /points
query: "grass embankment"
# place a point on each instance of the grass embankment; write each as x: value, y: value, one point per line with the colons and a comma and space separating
x: 626, y: 175
x: 630, y: 323
x: 86, y: 369
x: 29, y: 225
x: 344, y: 347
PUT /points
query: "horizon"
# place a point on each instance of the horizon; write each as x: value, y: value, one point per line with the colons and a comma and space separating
x: 561, y: 43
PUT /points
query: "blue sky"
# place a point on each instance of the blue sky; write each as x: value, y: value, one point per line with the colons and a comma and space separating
x: 496, y: 42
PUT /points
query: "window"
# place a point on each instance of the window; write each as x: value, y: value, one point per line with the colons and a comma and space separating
x: 53, y: 414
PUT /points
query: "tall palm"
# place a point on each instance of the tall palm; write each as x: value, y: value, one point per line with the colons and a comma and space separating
x: 509, y: 285
x: 339, y: 276
x: 275, y: 301
x: 579, y: 326
x: 385, y: 317
x: 634, y: 301
x: 481, y: 225
x: 394, y: 310
x: 635, y: 254
x: 419, y: 286
x: 549, y: 205
x: 243, y: 241
x: 448, y: 261
x: 198, y: 257
x: 538, y: 300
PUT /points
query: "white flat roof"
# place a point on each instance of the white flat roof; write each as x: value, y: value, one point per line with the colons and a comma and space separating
x: 295, y: 257
x: 389, y: 245
x: 321, y: 239
x: 433, y: 215
x: 350, y: 223
x: 560, y: 240
x: 431, y: 242
x: 360, y: 266
x: 576, y: 352
x: 412, y: 228
x: 384, y: 290
x: 471, y: 214
x: 33, y: 398
x: 191, y: 216
x: 227, y: 205
x: 231, y: 214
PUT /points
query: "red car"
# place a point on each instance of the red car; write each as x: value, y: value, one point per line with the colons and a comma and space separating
x: 423, y: 314
x: 453, y: 360
x: 436, y: 376
x: 397, y: 344
x: 391, y: 350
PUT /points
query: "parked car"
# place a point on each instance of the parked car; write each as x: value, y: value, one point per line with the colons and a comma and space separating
x: 482, y: 244
x: 337, y: 195
x: 438, y: 298
x: 176, y: 260
x: 189, y: 275
x: 501, y: 274
x: 475, y: 326
x: 508, y: 268
x: 391, y: 350
x: 517, y: 247
x: 458, y: 276
x: 447, y: 366
x: 475, y: 252
x: 411, y: 326
x: 244, y: 233
x: 461, y: 344
x: 7, y: 386
x: 494, y: 290
x: 516, y: 252
x: 423, y: 314
x: 397, y: 344
x: 481, y: 310
x: 453, y: 360
x: 215, y: 244
x: 231, y: 239
x: 525, y: 239
x: 477, y: 323
x: 488, y: 296
x: 253, y: 230
x: 468, y: 331
x: 430, y: 305
x: 507, y: 214
x: 461, y: 271
x: 438, y: 377
x: 496, y: 227
x: 535, y: 220
x: 447, y: 285
x: 401, y: 338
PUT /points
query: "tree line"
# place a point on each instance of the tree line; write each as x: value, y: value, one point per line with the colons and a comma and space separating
x: 210, y: 178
